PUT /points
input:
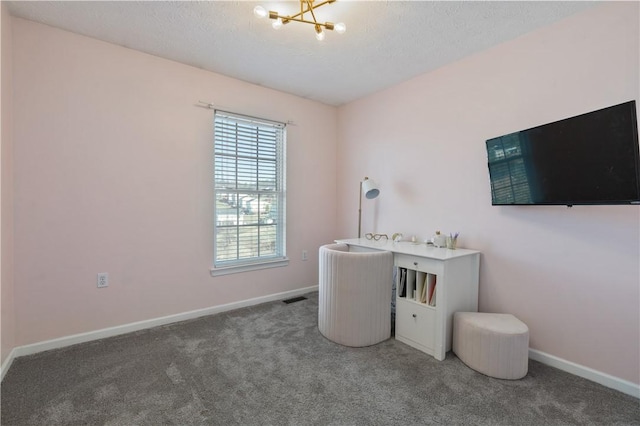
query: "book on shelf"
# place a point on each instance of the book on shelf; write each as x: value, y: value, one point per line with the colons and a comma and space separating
x: 402, y: 287
x: 423, y: 294
x: 411, y: 284
x: 432, y: 289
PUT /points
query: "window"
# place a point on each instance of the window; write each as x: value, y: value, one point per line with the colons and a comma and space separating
x: 249, y: 185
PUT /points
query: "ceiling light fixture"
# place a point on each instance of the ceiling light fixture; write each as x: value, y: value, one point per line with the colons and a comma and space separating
x: 305, y: 6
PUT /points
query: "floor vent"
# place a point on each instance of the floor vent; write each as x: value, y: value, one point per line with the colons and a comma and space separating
x: 294, y: 299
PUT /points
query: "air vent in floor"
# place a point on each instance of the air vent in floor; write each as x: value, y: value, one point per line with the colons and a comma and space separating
x: 294, y: 299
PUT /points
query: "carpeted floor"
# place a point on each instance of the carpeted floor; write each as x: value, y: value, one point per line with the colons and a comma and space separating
x: 269, y: 365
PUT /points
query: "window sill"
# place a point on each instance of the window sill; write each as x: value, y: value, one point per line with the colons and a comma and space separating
x: 235, y: 269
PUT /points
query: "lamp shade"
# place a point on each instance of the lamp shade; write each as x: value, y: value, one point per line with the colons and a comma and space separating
x: 370, y: 189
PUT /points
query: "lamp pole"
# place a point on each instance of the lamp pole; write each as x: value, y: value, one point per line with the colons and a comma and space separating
x: 360, y: 210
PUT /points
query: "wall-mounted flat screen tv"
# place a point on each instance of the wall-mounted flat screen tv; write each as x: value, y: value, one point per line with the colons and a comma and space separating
x: 588, y: 159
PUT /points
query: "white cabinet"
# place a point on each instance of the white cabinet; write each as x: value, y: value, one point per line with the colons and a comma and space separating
x: 431, y: 284
x: 415, y: 325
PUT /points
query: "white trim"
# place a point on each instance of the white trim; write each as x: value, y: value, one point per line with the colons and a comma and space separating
x: 7, y: 363
x: 604, y: 379
x: 141, y: 325
x: 226, y: 270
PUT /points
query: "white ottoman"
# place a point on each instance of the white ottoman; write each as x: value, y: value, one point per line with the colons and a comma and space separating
x: 493, y: 344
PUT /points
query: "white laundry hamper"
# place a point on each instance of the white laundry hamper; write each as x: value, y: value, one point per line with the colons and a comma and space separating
x: 354, y: 303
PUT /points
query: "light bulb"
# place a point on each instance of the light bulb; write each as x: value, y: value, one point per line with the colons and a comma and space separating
x: 319, y: 32
x: 340, y: 27
x: 260, y: 11
x: 277, y: 24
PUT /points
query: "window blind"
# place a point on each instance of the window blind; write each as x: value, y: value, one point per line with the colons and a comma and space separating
x: 249, y: 185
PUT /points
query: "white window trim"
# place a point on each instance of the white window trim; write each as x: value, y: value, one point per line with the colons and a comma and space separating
x: 253, y: 266
x: 265, y: 263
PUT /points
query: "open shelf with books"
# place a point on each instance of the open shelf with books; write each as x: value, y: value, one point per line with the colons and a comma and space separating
x: 417, y: 286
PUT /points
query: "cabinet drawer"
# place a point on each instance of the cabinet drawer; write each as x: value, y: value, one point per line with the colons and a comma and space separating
x: 419, y: 263
x: 415, y: 323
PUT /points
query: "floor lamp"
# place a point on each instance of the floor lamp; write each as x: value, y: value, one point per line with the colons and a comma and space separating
x: 371, y: 191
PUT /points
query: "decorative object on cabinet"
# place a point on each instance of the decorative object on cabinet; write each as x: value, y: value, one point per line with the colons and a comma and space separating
x: 354, y: 296
x: 371, y: 191
x: 431, y: 284
x: 375, y: 237
x: 439, y: 240
x: 496, y: 345
x: 452, y: 241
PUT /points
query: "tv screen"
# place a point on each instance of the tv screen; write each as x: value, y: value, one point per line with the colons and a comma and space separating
x: 588, y: 159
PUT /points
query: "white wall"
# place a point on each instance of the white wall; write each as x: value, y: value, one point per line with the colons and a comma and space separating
x: 113, y: 173
x: 571, y: 274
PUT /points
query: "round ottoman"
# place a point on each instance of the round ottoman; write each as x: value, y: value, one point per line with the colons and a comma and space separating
x: 493, y: 344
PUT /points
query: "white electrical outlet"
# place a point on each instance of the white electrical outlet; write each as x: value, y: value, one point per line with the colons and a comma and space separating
x: 103, y: 280
x: 305, y: 255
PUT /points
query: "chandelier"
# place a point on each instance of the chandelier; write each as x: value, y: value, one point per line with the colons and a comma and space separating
x: 306, y: 6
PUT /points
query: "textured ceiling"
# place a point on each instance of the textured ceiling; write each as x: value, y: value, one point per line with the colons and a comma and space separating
x: 386, y: 42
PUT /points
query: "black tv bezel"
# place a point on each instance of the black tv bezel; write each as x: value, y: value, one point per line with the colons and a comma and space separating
x: 634, y: 130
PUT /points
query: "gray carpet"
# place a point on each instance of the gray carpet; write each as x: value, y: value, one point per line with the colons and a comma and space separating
x: 269, y: 365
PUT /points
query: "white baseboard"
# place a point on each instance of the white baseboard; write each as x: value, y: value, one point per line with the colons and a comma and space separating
x: 604, y: 379
x: 141, y: 325
x: 7, y: 363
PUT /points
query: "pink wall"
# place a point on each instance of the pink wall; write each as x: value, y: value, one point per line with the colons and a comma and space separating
x: 571, y: 274
x: 7, y: 331
x: 113, y: 173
